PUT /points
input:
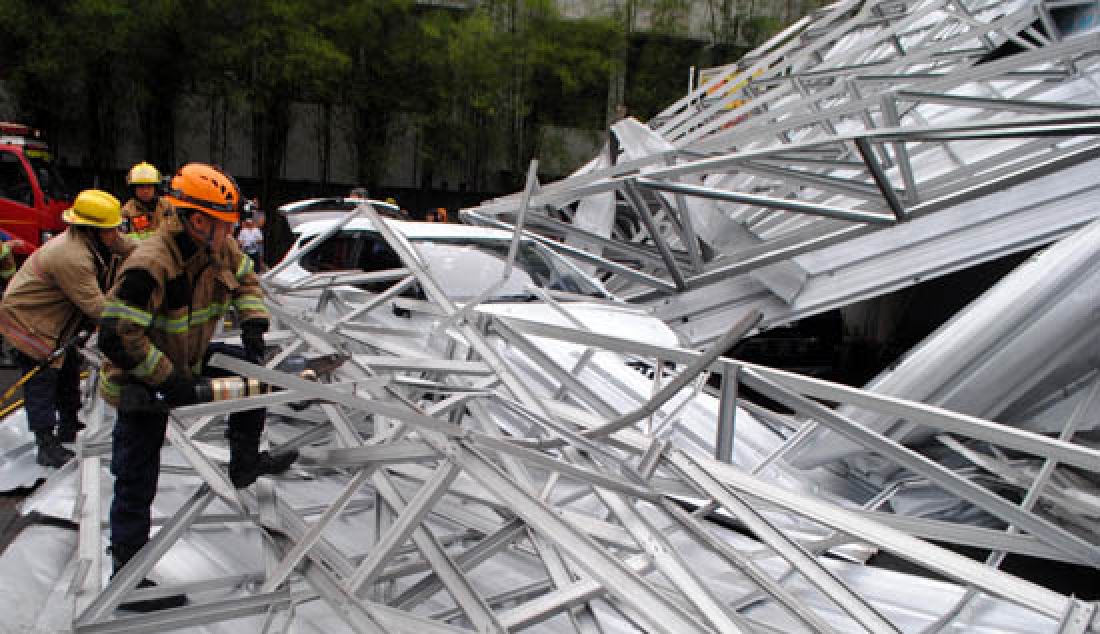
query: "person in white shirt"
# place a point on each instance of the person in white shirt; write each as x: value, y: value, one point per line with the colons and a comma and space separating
x: 251, y: 239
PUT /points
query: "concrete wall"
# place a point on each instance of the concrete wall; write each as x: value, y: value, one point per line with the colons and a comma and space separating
x: 700, y: 20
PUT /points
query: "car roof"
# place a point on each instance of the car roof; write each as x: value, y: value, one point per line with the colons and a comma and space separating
x: 411, y: 230
x: 335, y: 202
x: 311, y: 209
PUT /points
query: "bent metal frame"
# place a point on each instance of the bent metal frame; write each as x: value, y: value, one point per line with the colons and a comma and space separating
x: 456, y: 466
x: 764, y: 188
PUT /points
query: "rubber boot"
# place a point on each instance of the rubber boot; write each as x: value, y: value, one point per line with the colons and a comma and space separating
x: 50, y: 451
x: 246, y: 462
x: 119, y: 556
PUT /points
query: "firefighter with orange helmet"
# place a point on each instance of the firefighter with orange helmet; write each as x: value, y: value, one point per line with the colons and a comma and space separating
x: 155, y: 332
x: 146, y: 210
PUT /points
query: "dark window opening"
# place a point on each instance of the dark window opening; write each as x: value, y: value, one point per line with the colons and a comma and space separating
x: 14, y: 182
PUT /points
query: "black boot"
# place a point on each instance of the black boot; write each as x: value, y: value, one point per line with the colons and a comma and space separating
x: 50, y: 451
x: 246, y: 462
x: 68, y: 428
x: 122, y: 554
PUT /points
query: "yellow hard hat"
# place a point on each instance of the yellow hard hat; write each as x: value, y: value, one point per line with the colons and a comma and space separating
x: 143, y: 174
x: 94, y: 208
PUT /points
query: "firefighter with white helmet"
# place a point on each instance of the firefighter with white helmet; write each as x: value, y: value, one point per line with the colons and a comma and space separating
x: 146, y: 210
x: 60, y: 291
x: 170, y: 297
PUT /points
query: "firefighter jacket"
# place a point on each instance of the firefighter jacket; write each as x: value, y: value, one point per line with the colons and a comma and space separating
x: 60, y: 286
x: 166, y: 305
x: 141, y: 221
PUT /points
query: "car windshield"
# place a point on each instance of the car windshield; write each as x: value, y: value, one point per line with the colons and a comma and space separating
x: 48, y: 178
x: 464, y: 268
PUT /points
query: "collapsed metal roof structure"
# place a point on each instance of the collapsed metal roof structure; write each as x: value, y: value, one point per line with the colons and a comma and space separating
x: 517, y: 482
x: 866, y: 148
x: 499, y: 473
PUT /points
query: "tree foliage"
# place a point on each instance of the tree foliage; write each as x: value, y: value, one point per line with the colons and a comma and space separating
x: 476, y: 84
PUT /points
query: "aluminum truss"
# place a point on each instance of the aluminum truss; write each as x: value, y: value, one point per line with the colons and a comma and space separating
x: 871, y: 146
x: 501, y: 474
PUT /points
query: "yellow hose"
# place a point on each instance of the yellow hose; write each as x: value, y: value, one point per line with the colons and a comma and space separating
x: 18, y: 384
x: 10, y: 408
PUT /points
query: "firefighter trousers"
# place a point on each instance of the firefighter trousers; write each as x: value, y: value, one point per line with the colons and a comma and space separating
x: 135, y: 460
x: 52, y: 395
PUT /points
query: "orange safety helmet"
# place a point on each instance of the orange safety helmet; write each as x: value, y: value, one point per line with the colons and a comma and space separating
x: 206, y: 189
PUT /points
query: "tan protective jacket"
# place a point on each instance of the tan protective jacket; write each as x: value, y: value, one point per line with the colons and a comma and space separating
x: 61, y: 285
x: 169, y: 329
x: 142, y: 222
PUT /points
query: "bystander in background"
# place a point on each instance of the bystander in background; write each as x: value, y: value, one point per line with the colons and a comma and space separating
x: 251, y: 239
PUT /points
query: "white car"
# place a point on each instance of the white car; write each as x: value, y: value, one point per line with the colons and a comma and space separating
x: 312, y: 209
x: 465, y: 261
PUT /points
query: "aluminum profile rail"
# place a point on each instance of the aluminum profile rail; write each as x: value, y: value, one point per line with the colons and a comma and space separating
x: 492, y: 501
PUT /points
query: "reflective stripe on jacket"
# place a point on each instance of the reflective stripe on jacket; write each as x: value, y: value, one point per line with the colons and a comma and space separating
x: 61, y: 284
x: 7, y: 262
x: 170, y: 330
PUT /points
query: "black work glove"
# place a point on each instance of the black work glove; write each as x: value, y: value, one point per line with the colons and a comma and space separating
x: 138, y: 398
x: 252, y: 336
x: 179, y: 390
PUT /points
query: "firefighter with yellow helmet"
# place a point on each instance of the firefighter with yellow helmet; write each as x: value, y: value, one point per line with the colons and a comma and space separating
x: 146, y: 210
x: 155, y: 332
x: 57, y: 293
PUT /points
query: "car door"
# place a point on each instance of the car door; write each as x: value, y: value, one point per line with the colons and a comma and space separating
x: 18, y: 218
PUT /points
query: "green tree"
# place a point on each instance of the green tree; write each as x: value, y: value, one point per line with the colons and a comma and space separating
x: 461, y: 121
x: 268, y: 54
x: 510, y: 68
x: 158, y: 65
x: 61, y: 74
x: 31, y: 62
x: 384, y: 43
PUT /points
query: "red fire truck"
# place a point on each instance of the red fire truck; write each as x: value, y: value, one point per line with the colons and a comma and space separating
x: 32, y: 195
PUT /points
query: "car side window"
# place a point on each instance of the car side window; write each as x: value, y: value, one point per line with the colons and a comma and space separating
x: 376, y: 255
x: 338, y: 253
x: 14, y: 184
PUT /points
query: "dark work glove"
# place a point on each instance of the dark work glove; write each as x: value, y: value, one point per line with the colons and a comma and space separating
x: 252, y: 336
x: 179, y: 390
x: 138, y: 398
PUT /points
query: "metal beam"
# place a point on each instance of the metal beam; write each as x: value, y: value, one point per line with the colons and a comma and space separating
x: 787, y: 204
x: 941, y: 476
x: 844, y: 598
x: 660, y: 615
x: 634, y: 197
